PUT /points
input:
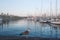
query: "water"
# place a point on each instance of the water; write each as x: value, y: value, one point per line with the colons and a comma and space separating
x: 37, y: 29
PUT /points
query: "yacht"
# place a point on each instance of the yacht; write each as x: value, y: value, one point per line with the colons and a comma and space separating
x: 55, y: 21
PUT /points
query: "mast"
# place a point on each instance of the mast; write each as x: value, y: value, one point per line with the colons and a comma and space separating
x: 56, y: 8
x: 41, y: 15
x: 51, y: 17
x: 51, y: 8
x: 41, y: 4
x: 56, y: 17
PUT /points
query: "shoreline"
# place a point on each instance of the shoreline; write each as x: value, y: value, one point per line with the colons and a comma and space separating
x: 25, y: 38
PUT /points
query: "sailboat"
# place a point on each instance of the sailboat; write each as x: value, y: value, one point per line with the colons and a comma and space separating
x: 56, y: 20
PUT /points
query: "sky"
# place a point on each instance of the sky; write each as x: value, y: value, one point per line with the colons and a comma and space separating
x: 28, y: 7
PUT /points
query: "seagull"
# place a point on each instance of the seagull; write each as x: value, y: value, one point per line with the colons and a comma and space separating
x: 25, y: 32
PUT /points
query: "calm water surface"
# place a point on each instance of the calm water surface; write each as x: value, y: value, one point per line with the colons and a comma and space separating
x: 37, y: 29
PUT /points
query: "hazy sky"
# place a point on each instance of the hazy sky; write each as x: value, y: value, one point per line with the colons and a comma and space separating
x: 27, y: 7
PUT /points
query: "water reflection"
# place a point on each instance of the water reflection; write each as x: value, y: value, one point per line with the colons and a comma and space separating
x: 55, y: 30
x: 14, y: 28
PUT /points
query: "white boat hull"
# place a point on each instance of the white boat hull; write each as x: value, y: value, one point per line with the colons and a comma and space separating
x: 58, y: 23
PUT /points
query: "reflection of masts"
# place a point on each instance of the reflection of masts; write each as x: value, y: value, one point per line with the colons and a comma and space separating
x: 35, y: 28
x: 27, y: 23
x: 56, y: 32
x: 2, y: 26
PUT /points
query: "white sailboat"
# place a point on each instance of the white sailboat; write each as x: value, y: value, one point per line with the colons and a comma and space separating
x: 56, y: 20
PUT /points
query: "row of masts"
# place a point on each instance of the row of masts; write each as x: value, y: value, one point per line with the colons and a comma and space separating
x: 51, y: 9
